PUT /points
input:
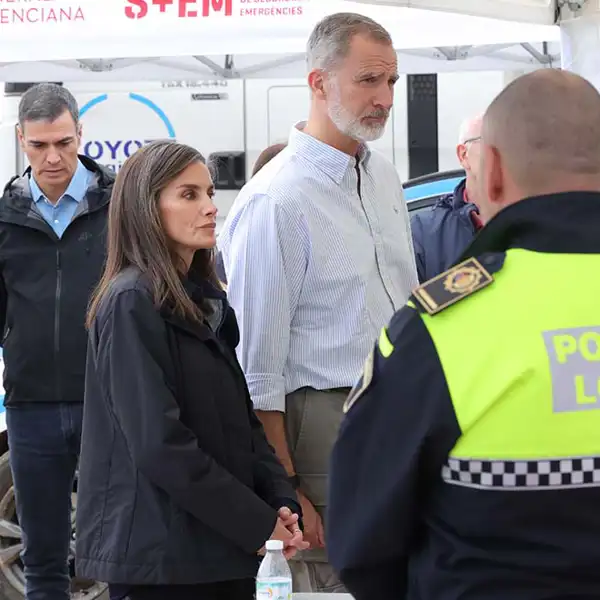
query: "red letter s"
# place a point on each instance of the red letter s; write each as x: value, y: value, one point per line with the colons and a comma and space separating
x: 141, y: 5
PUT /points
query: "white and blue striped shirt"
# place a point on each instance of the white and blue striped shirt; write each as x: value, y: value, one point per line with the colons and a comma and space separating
x: 314, y: 269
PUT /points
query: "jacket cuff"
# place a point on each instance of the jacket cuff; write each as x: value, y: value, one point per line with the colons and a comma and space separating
x: 259, y: 530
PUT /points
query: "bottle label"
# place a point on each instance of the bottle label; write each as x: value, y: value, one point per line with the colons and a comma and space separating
x: 273, y: 590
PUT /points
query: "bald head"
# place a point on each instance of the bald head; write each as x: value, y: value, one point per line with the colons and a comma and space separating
x: 470, y: 129
x: 541, y: 135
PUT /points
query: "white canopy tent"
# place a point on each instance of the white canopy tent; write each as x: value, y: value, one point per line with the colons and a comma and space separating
x: 524, y: 11
x: 70, y: 40
x: 579, y: 22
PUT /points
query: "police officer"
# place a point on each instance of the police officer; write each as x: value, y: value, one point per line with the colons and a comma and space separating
x: 468, y: 463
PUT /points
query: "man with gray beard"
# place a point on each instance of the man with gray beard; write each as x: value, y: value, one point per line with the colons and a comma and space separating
x: 318, y: 255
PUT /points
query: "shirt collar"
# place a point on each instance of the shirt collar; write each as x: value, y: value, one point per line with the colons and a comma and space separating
x: 76, y: 190
x: 330, y: 160
x: 561, y: 223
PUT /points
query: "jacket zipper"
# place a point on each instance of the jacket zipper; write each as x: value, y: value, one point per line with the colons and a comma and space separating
x: 57, y: 324
x: 359, y: 190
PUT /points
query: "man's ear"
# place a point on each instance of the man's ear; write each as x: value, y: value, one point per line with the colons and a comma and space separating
x: 21, y: 137
x: 316, y: 82
x: 493, y: 175
x: 461, y: 154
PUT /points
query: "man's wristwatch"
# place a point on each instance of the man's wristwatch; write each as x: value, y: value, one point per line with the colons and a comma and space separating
x: 294, y: 481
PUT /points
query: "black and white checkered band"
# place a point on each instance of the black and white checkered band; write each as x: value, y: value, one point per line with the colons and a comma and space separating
x: 523, y: 475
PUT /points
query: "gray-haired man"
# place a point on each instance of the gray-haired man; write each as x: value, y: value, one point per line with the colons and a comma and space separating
x: 318, y: 255
x: 52, y: 226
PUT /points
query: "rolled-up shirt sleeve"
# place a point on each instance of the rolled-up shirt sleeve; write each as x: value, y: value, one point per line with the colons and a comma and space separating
x: 265, y: 257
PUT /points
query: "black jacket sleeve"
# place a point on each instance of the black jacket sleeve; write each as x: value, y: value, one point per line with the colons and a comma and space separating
x: 135, y: 365
x: 417, y: 229
x: 390, y: 452
x: 271, y: 479
x: 3, y: 306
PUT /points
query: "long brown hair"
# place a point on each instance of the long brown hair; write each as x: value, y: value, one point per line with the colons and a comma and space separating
x: 136, y: 236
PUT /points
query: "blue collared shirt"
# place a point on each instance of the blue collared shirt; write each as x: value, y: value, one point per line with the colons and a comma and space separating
x: 314, y: 269
x: 59, y: 215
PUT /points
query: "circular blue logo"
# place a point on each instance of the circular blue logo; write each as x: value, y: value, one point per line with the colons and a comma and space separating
x: 113, y: 152
x: 137, y: 98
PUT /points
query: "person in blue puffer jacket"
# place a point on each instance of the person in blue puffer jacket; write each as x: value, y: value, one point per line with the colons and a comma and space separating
x: 441, y: 233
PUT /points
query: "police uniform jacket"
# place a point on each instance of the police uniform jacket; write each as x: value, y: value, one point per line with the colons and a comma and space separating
x: 468, y: 464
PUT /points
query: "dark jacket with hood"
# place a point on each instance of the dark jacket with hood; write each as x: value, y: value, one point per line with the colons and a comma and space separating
x: 178, y: 484
x: 45, y: 284
x: 442, y: 232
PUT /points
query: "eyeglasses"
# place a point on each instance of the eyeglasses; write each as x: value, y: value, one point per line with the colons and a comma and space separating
x: 474, y: 139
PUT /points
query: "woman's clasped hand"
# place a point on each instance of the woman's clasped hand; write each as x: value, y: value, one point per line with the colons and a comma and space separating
x: 287, y: 529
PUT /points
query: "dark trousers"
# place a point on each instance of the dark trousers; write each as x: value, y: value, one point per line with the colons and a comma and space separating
x: 44, y: 442
x: 225, y: 590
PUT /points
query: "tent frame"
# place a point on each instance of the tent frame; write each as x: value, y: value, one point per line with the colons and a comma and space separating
x: 228, y: 70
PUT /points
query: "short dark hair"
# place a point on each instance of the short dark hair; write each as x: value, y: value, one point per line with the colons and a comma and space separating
x: 47, y: 102
x: 267, y: 155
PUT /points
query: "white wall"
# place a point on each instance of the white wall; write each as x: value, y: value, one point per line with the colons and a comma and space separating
x: 462, y: 95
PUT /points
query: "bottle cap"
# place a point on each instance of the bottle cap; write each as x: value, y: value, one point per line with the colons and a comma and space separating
x: 274, y: 545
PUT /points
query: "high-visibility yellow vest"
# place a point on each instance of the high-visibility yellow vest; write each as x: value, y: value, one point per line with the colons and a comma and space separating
x: 521, y: 359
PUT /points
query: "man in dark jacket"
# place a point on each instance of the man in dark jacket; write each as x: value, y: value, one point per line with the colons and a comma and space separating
x: 52, y: 250
x: 443, y: 232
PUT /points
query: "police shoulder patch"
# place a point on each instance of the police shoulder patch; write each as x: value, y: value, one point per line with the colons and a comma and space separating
x: 456, y: 283
x: 362, y: 384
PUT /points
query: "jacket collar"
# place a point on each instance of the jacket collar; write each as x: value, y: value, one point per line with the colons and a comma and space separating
x: 201, y: 291
x: 15, y: 204
x: 565, y: 223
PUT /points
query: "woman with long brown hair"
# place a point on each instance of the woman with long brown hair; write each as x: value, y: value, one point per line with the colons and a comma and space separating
x: 178, y: 487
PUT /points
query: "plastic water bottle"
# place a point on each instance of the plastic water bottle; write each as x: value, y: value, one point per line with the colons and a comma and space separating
x: 274, y: 579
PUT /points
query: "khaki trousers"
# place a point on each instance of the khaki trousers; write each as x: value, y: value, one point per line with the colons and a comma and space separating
x: 312, y: 422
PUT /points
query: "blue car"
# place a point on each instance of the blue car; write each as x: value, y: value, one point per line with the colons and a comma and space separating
x: 422, y: 192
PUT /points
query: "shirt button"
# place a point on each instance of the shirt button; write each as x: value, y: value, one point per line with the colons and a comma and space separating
x: 56, y: 221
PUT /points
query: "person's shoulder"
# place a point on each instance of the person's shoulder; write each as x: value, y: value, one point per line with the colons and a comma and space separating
x: 456, y: 284
x: 129, y: 279
x: 280, y: 186
x: 433, y: 215
x: 283, y: 180
x: 16, y: 186
x: 128, y: 291
x: 100, y: 175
